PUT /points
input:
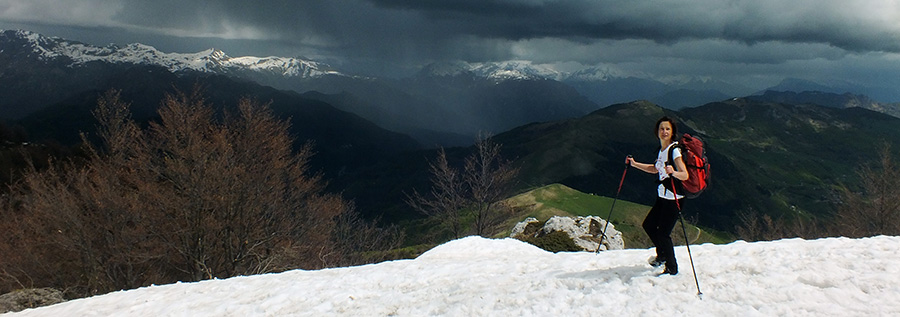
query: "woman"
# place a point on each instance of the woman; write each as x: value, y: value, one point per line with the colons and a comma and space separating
x: 662, y: 217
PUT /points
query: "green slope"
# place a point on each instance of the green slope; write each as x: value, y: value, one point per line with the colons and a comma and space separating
x: 560, y: 200
x: 777, y: 159
x: 782, y: 160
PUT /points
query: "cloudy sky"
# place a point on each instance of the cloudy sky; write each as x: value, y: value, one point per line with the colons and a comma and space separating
x: 750, y: 42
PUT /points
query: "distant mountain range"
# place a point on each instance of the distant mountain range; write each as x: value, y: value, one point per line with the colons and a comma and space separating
x: 774, y: 151
x: 36, y: 71
x: 210, y: 61
x: 49, y: 87
x: 845, y: 100
x: 444, y: 104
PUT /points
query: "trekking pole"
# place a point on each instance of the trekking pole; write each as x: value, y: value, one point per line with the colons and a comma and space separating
x: 687, y: 243
x: 603, y: 232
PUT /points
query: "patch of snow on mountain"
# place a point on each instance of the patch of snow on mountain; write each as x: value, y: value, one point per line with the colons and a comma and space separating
x: 288, y: 67
x: 593, y: 74
x: 521, y: 70
x: 211, y: 60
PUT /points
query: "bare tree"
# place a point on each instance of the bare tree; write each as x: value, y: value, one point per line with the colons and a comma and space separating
x: 476, y: 192
x: 79, y: 218
x: 490, y: 180
x: 447, y: 198
x: 195, y: 196
x: 755, y: 226
x: 362, y: 241
x: 876, y: 209
x: 239, y: 193
x: 873, y: 210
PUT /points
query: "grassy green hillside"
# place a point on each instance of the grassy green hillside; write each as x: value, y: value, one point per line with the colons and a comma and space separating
x: 560, y: 200
x: 593, y: 145
x: 783, y: 160
x: 789, y: 160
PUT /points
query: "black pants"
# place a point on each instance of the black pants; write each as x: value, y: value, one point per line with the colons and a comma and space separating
x: 659, y: 224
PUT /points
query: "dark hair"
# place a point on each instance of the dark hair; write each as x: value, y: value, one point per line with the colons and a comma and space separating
x: 674, y: 127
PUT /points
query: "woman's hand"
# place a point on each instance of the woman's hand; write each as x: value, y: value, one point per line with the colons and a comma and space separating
x: 648, y: 168
x: 670, y: 169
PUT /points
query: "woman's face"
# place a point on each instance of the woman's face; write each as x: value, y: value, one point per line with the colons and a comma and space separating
x: 665, y: 131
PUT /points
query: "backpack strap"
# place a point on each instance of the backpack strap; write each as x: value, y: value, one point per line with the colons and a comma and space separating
x: 669, y: 159
x: 667, y: 183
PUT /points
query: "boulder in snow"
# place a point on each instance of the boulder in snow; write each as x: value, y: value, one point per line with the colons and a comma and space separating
x: 584, y: 231
x: 19, y: 300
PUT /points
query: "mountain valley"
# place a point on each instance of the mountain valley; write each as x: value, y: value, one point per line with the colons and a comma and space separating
x: 786, y: 153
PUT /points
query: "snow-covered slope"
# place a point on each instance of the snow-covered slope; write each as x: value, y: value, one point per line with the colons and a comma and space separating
x: 211, y: 60
x: 481, y: 277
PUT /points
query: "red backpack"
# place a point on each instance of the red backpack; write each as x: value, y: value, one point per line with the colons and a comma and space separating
x: 693, y: 154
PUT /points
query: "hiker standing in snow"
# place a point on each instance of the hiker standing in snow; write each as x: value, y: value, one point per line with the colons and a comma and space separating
x: 662, y: 217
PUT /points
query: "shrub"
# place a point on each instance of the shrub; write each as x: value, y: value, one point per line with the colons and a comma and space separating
x: 556, y: 241
x: 196, y: 196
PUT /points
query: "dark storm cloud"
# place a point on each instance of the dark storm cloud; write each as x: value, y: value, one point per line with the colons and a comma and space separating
x: 850, y: 25
x: 380, y: 35
x: 431, y: 27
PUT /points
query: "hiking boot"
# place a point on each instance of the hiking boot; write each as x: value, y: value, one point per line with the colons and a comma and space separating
x: 670, y: 271
x: 656, y: 261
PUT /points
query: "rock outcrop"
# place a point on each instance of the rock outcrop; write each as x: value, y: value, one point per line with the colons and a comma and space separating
x: 585, y: 232
x: 29, y: 298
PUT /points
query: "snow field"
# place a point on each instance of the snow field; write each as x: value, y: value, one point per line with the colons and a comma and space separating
x: 474, y: 276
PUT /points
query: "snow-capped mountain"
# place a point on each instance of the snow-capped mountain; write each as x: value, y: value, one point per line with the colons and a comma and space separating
x: 209, y: 61
x: 593, y: 74
x: 499, y: 71
x: 275, y: 70
x: 603, y: 85
x: 217, y: 61
x: 521, y: 70
x: 505, y: 95
x: 518, y: 70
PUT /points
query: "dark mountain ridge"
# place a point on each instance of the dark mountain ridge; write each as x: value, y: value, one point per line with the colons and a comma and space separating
x: 827, y: 99
x: 787, y: 161
x: 343, y: 141
x: 29, y: 80
x: 439, y: 109
x: 779, y: 159
x: 778, y: 153
x: 38, y: 71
